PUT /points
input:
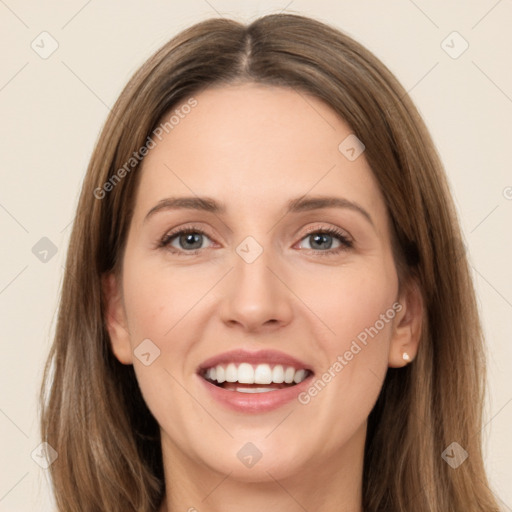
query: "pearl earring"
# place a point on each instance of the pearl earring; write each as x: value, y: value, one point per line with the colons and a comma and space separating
x: 406, y: 357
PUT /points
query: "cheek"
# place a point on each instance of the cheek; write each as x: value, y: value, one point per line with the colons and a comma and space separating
x: 158, y: 298
x: 360, y: 312
x: 350, y: 301
x: 360, y: 304
x: 162, y: 306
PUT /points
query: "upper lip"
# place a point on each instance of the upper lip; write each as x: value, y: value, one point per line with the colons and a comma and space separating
x: 258, y: 357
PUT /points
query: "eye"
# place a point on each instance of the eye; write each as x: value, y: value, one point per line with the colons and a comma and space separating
x: 187, y: 240
x: 190, y: 241
x: 321, y: 240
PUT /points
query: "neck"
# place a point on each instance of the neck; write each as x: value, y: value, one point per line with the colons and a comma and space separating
x: 331, y: 483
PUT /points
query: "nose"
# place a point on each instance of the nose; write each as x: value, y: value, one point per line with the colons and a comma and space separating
x: 256, y: 296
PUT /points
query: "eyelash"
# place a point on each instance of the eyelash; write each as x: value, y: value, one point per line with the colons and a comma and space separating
x: 346, y: 243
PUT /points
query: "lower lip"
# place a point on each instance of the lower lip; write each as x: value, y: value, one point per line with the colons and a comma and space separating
x: 255, y: 402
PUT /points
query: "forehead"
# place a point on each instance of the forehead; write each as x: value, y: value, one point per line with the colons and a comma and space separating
x: 254, y: 146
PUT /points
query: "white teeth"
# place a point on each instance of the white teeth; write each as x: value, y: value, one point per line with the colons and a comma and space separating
x: 231, y: 373
x: 289, y: 374
x: 221, y: 374
x: 254, y: 390
x: 262, y: 374
x: 246, y: 373
x: 278, y: 374
x: 299, y: 376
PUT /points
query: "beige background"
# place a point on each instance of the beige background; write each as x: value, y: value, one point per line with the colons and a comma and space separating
x: 52, y: 110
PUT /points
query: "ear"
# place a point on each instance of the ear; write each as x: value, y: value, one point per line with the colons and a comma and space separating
x: 115, y: 319
x: 407, y: 325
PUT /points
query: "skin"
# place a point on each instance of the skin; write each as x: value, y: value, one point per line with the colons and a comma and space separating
x: 253, y: 148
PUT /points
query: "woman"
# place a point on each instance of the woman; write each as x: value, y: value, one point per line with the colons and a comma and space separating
x: 265, y: 300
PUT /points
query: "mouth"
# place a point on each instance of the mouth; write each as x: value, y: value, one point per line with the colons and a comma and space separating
x: 254, y: 378
x: 254, y: 382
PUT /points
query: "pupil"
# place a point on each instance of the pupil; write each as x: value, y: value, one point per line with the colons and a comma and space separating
x: 318, y: 239
x: 191, y: 238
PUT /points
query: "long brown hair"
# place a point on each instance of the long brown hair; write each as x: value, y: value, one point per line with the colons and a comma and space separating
x: 93, y: 414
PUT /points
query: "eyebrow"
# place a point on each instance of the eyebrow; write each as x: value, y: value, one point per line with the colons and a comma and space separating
x: 300, y: 204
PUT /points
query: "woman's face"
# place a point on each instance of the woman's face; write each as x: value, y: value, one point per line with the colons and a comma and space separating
x: 258, y: 286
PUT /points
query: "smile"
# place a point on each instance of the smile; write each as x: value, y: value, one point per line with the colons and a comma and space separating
x: 254, y: 382
x: 249, y: 378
